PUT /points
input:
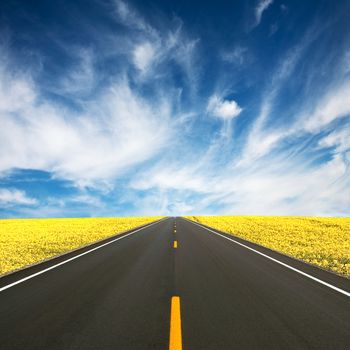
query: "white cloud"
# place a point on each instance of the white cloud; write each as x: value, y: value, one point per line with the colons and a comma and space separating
x: 81, y: 79
x: 183, y: 51
x: 225, y: 109
x: 259, y: 146
x: 237, y: 55
x: 260, y: 141
x: 16, y: 92
x: 275, y: 186
x: 334, y: 105
x: 143, y: 56
x: 116, y: 131
x: 131, y: 18
x: 262, y: 6
x: 151, y: 46
x: 292, y: 189
x: 15, y: 197
x: 328, y: 108
x: 123, y: 10
x: 85, y: 199
x: 163, y: 177
x: 339, y: 139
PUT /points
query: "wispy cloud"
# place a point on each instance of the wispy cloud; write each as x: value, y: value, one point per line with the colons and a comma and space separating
x: 259, y: 141
x: 15, y: 197
x: 276, y: 186
x: 114, y: 132
x: 153, y: 44
x: 260, y: 8
x: 81, y: 78
x: 237, y: 56
x: 335, y: 104
x: 339, y: 140
x: 131, y: 18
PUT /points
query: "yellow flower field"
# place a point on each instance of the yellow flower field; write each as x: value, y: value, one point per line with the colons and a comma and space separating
x: 27, y: 241
x: 324, y: 242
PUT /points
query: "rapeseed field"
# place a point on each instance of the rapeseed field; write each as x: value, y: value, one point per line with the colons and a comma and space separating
x: 324, y: 242
x: 27, y: 241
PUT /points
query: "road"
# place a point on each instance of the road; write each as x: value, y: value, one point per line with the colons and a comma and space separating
x: 119, y: 297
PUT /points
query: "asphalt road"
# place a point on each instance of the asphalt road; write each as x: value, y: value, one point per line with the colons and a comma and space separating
x: 118, y: 297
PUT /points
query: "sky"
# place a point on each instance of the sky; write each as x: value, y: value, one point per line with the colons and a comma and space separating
x: 123, y: 108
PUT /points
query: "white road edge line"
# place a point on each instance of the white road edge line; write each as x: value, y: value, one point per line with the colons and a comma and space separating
x: 342, y: 291
x: 75, y: 257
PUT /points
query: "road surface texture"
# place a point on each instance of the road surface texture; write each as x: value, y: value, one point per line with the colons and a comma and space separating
x: 119, y: 297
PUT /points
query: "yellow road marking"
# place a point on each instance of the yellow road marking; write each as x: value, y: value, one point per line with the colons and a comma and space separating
x: 175, y: 341
x: 175, y: 244
x: 174, y: 230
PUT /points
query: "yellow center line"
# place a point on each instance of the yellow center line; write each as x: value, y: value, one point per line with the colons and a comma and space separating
x: 175, y: 244
x: 175, y: 341
x: 174, y: 230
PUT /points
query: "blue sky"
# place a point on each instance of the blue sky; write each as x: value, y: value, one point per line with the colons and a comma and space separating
x: 114, y: 108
